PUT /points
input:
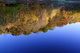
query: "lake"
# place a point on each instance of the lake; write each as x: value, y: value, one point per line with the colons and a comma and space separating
x: 40, y: 27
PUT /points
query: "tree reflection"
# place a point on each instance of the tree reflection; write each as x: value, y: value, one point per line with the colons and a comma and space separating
x: 35, y: 17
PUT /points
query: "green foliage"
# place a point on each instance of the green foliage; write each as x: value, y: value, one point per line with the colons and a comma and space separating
x: 44, y: 29
x: 27, y: 32
x: 15, y: 31
x: 25, y: 19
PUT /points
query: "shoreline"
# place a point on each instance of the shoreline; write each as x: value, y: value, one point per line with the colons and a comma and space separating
x: 15, y: 2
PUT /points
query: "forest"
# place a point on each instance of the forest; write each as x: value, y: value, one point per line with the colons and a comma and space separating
x: 34, y: 18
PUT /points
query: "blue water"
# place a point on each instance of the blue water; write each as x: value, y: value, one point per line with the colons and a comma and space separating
x: 64, y: 39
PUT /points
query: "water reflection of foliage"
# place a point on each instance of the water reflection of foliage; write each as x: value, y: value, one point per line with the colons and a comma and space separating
x: 25, y: 19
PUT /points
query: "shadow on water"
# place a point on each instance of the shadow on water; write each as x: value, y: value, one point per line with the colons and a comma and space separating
x: 34, y: 17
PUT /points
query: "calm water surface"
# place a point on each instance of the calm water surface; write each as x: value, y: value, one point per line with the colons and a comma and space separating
x: 40, y: 28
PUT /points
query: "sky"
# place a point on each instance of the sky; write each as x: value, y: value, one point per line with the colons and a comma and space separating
x: 64, y: 39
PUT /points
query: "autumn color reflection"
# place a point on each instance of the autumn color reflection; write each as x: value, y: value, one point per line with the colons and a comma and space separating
x: 33, y: 18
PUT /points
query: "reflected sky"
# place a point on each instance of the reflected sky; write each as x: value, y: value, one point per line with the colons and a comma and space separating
x: 63, y: 39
